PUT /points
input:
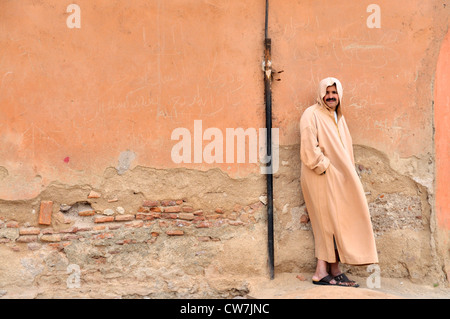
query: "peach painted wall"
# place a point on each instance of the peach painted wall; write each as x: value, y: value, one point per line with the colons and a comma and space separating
x: 442, y: 140
x: 73, y: 99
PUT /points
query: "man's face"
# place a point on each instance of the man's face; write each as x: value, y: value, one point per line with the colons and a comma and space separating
x: 331, y: 98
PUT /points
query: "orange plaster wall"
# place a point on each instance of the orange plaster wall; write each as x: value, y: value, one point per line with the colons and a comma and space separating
x: 442, y: 140
x: 73, y: 99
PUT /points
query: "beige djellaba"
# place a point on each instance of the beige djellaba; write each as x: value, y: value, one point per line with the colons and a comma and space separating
x: 335, y: 201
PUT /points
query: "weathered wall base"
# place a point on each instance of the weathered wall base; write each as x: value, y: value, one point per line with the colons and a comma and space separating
x: 185, y: 233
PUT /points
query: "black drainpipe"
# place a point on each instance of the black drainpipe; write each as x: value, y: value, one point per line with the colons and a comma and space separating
x: 267, y: 65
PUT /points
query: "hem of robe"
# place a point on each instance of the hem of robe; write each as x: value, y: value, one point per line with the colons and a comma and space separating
x: 367, y: 260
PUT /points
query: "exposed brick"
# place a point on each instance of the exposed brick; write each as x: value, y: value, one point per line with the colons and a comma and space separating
x: 187, y: 209
x: 156, y: 209
x: 29, y: 231
x: 219, y: 211
x: 169, y: 216
x: 155, y: 234
x: 304, y: 219
x: 47, y: 231
x: 87, y: 213
x: 51, y: 238
x: 148, y: 216
x: 69, y: 230
x: 182, y: 223
x: 179, y: 201
x: 203, y: 225
x: 135, y: 224
x: 172, y: 209
x: 235, y: 223
x: 126, y: 241
x: 142, y: 209
x: 169, y: 202
x: 94, y: 194
x: 150, y: 203
x: 175, y: 232
x: 186, y: 216
x: 122, y: 218
x: 103, y: 219
x: 99, y: 227
x: 45, y: 213
x: 103, y: 236
x: 214, y: 216
x: 27, y: 238
x: 70, y: 237
x: 199, y: 218
x: 12, y: 224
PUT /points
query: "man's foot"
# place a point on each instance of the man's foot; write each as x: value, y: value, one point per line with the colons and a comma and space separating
x: 343, y: 280
x: 328, y: 280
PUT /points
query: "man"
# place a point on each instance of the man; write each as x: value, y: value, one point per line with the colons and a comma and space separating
x: 333, y: 193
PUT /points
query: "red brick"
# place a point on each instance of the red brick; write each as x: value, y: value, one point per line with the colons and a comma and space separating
x: 175, y: 232
x: 144, y: 216
x: 87, y: 213
x: 219, y: 211
x: 169, y: 202
x: 103, y: 236
x: 135, y: 224
x: 169, y: 216
x: 172, y: 209
x: 94, y: 194
x: 187, y: 209
x: 29, y: 231
x: 186, y: 216
x: 304, y: 219
x: 69, y: 230
x: 150, y: 203
x: 51, y: 238
x: 27, y: 238
x: 122, y: 218
x: 45, y: 213
x: 156, y: 209
x: 12, y: 224
x: 70, y: 237
x: 46, y: 231
x: 203, y: 225
x: 103, y: 219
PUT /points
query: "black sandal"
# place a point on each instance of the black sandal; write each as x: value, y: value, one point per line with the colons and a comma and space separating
x: 342, y: 280
x: 325, y: 281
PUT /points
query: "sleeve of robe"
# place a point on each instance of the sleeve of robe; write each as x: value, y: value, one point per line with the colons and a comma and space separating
x: 310, y: 152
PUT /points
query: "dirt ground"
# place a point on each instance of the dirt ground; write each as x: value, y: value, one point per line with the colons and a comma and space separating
x: 289, y: 286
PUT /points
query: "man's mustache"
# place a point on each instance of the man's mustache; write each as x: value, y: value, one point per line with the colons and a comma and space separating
x: 331, y: 99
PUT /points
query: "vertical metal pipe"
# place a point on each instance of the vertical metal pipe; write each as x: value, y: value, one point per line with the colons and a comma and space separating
x: 269, y: 172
